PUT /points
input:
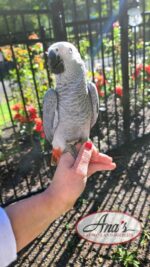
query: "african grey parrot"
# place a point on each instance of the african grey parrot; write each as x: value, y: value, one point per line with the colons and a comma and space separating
x: 71, y: 109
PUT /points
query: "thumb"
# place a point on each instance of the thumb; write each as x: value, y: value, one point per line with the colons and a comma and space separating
x: 82, y: 162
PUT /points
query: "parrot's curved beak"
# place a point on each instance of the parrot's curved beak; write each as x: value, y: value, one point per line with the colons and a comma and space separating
x: 56, y: 64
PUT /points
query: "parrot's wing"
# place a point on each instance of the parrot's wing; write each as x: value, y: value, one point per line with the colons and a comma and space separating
x: 50, y: 113
x: 94, y: 101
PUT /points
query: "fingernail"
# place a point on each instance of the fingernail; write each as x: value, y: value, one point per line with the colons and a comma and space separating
x: 88, y: 145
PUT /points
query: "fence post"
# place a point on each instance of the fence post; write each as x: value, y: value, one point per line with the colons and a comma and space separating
x: 58, y: 20
x: 125, y: 72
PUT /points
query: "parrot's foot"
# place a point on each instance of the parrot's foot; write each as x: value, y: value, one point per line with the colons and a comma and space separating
x: 72, y: 150
x: 56, y: 154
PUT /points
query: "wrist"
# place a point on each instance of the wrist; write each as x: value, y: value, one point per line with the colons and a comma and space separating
x: 55, y: 203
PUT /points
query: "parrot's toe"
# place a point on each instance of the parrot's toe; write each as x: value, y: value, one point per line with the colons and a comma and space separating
x: 56, y: 154
x: 72, y: 150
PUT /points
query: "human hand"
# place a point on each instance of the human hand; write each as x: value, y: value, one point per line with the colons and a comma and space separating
x: 98, y: 161
x: 71, y: 175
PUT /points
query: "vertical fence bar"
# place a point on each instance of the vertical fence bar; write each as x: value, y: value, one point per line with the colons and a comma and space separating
x: 143, y: 92
x: 124, y: 62
x: 1, y: 200
x: 59, y: 21
x: 31, y: 67
x: 16, y: 68
x: 114, y: 80
x: 76, y: 25
x: 43, y: 37
x: 135, y: 83
x: 103, y: 69
x: 90, y: 37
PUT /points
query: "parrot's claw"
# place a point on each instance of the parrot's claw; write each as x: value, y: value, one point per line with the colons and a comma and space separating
x: 74, y: 151
x: 72, y: 147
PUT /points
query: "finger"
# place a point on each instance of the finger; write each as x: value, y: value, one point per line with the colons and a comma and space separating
x: 100, y: 167
x: 67, y: 160
x: 82, y: 162
x: 96, y: 156
x: 100, y: 157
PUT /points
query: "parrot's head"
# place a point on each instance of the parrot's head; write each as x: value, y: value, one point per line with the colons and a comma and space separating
x: 63, y: 56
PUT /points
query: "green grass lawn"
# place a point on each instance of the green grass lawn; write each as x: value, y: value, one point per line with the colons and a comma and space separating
x: 4, y: 113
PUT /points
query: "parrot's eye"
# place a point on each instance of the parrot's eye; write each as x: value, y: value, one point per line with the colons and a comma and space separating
x: 56, y: 49
x: 70, y: 50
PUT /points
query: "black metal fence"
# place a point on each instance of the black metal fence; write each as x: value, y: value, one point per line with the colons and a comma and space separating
x: 117, y: 58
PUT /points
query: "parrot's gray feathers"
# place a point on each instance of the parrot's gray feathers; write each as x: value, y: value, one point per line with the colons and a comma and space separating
x: 71, y: 110
x: 50, y: 113
x: 94, y: 101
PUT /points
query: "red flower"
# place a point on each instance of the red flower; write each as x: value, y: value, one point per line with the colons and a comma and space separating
x: 38, y: 125
x: 17, y: 107
x: 147, y: 69
x: 31, y: 109
x: 137, y: 71
x: 119, y: 91
x: 101, y: 93
x: 23, y: 119
x: 100, y: 80
x: 17, y: 117
x: 20, y: 118
x: 42, y: 135
x: 32, y: 117
x: 32, y: 112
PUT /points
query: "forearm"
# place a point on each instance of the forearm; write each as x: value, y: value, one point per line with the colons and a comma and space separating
x: 31, y: 216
